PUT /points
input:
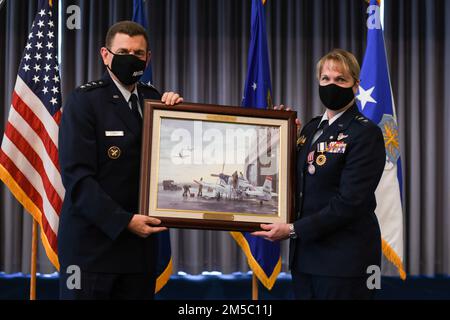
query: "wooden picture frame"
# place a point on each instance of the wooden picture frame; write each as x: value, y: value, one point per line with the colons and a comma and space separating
x: 239, y: 163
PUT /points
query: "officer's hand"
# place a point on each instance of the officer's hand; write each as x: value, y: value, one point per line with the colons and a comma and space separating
x: 274, y: 232
x: 171, y: 98
x: 143, y: 225
x: 283, y: 107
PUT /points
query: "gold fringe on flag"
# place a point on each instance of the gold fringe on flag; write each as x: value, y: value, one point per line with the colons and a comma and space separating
x: 392, y: 256
x: 29, y: 205
x: 164, y: 277
x: 268, y: 282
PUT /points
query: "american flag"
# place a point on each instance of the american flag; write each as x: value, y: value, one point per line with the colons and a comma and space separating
x: 29, y: 150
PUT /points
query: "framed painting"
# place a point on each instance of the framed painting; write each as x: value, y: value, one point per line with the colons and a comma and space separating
x: 217, y: 167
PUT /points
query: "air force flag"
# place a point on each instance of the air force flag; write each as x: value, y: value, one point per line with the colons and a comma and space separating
x: 375, y: 101
x: 263, y: 256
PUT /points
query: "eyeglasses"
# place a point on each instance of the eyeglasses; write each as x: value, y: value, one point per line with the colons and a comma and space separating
x: 141, y: 54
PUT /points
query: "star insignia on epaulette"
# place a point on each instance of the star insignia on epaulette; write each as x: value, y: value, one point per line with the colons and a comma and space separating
x: 146, y: 84
x: 92, y: 85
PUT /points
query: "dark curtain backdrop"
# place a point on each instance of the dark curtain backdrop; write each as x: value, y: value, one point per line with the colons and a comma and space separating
x: 418, y: 46
x: 199, y: 48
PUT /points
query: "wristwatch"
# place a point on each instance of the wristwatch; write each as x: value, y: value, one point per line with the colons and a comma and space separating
x: 292, y: 233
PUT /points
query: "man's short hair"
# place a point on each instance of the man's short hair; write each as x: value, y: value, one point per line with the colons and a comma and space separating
x: 127, y: 27
x: 343, y: 57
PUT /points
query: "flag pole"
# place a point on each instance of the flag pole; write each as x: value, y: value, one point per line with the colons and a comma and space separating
x: 34, y: 245
x: 254, y: 287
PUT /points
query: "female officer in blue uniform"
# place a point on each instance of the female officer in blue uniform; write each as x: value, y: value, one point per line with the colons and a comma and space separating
x: 340, y: 160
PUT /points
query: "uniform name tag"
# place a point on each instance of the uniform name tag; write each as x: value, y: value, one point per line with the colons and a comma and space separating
x: 114, y: 133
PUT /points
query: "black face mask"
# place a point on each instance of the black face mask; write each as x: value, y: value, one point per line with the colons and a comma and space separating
x: 127, y: 68
x: 334, y: 97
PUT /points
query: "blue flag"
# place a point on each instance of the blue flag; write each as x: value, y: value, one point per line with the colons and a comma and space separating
x: 375, y: 101
x: 262, y: 255
x: 258, y: 89
x: 139, y: 17
x: 164, y: 262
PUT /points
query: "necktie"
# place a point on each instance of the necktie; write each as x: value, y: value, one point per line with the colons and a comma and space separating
x: 321, y: 129
x: 323, y: 125
x: 135, y: 108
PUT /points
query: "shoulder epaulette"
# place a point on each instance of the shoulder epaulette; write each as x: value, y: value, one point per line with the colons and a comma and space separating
x: 304, y: 126
x: 92, y: 85
x: 313, y: 119
x: 147, y: 85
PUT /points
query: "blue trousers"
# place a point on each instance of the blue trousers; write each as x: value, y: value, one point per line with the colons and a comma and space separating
x: 315, y: 287
x: 108, y: 286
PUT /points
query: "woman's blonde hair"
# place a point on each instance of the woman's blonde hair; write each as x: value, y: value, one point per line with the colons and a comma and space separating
x: 345, y: 58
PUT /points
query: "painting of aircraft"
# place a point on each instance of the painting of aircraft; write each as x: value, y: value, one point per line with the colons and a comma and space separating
x: 263, y: 193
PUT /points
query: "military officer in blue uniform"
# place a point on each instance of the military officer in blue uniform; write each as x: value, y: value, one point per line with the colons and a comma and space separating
x: 100, y: 230
x: 340, y: 160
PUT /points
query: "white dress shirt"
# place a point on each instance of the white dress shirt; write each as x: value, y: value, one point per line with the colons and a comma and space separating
x: 127, y: 94
x: 330, y: 122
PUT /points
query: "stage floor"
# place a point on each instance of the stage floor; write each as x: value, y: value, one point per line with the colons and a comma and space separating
x: 236, y: 286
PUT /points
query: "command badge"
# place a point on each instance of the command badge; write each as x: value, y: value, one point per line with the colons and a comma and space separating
x: 114, y: 152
